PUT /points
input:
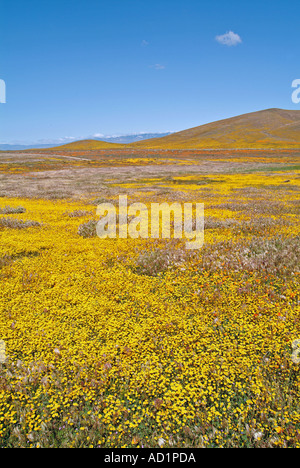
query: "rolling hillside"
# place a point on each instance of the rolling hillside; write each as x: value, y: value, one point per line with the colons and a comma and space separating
x: 271, y: 128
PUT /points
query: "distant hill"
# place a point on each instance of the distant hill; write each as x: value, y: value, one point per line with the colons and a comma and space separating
x: 87, y: 145
x: 271, y: 128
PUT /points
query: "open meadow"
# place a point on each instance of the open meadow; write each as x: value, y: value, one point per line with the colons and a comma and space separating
x: 140, y: 342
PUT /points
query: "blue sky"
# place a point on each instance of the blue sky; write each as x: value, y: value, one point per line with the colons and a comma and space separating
x: 77, y: 68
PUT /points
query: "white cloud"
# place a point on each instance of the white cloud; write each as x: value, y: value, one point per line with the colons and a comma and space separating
x: 144, y: 43
x: 229, y: 39
x: 158, y: 66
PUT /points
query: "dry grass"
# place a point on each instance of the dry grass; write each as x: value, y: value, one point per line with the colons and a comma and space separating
x: 275, y: 256
x: 12, y: 210
x: 12, y: 223
x: 79, y: 213
x: 160, y: 257
x: 88, y: 229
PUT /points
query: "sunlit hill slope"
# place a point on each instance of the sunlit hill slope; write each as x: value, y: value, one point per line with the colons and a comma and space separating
x: 271, y: 128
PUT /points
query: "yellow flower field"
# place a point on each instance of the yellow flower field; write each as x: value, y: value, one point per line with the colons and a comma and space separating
x: 122, y: 343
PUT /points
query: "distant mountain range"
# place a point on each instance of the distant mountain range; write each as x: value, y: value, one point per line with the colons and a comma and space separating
x: 123, y: 139
x: 126, y: 139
